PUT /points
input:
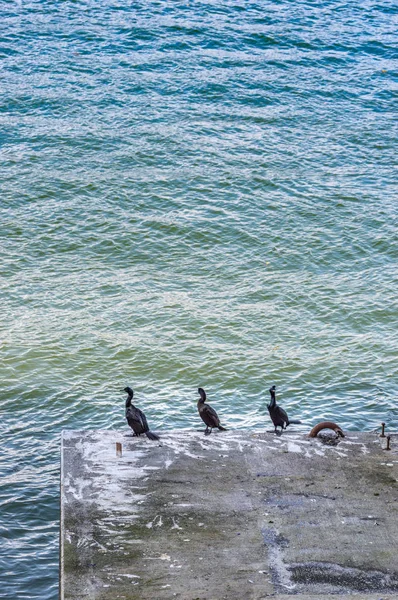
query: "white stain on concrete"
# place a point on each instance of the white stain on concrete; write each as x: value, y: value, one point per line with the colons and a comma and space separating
x: 175, y: 524
x: 291, y: 447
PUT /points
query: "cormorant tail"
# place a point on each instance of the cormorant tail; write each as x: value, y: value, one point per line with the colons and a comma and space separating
x: 294, y: 422
x: 152, y: 436
x: 221, y: 428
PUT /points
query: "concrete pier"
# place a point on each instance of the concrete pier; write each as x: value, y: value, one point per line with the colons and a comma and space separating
x: 235, y: 515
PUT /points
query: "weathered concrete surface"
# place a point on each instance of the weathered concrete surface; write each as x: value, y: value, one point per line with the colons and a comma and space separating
x: 235, y: 515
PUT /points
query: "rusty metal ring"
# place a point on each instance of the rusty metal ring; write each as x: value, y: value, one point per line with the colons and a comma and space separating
x: 326, y: 425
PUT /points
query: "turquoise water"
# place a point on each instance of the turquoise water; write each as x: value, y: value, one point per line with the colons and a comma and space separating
x: 192, y: 193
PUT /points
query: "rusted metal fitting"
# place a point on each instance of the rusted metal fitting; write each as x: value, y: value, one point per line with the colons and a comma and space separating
x: 326, y: 425
x: 388, y: 442
x: 382, y: 430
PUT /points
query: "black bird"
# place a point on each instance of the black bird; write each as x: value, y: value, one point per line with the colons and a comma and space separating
x: 136, y: 418
x: 278, y: 415
x: 208, y: 414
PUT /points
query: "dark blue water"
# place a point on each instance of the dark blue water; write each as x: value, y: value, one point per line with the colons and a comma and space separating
x: 192, y: 193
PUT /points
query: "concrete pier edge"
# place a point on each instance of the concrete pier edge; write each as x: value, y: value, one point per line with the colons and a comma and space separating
x: 234, y: 515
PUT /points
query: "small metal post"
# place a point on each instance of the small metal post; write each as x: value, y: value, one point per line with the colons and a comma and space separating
x: 118, y: 449
x: 388, y: 442
x: 382, y: 430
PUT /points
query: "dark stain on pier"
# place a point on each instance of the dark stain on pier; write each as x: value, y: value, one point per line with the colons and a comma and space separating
x: 344, y: 578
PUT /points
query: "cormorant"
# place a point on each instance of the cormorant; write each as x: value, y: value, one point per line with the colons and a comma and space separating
x: 278, y: 415
x: 136, y: 418
x: 208, y: 414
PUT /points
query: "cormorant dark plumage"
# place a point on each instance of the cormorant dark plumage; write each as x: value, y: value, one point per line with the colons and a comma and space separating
x: 136, y: 418
x: 208, y: 414
x: 278, y: 415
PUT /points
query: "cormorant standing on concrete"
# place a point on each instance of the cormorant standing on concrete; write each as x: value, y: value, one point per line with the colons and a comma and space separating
x: 278, y: 415
x: 136, y: 418
x: 208, y: 414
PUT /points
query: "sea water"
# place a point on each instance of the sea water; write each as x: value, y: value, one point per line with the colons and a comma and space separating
x: 193, y: 193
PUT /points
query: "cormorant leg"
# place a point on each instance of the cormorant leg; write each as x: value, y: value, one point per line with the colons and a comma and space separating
x: 207, y: 431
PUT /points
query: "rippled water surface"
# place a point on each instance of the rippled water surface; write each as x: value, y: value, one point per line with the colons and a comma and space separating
x: 192, y: 193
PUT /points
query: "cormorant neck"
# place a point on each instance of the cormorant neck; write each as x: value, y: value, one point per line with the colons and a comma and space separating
x: 202, y: 396
x: 273, y: 402
x: 129, y: 399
